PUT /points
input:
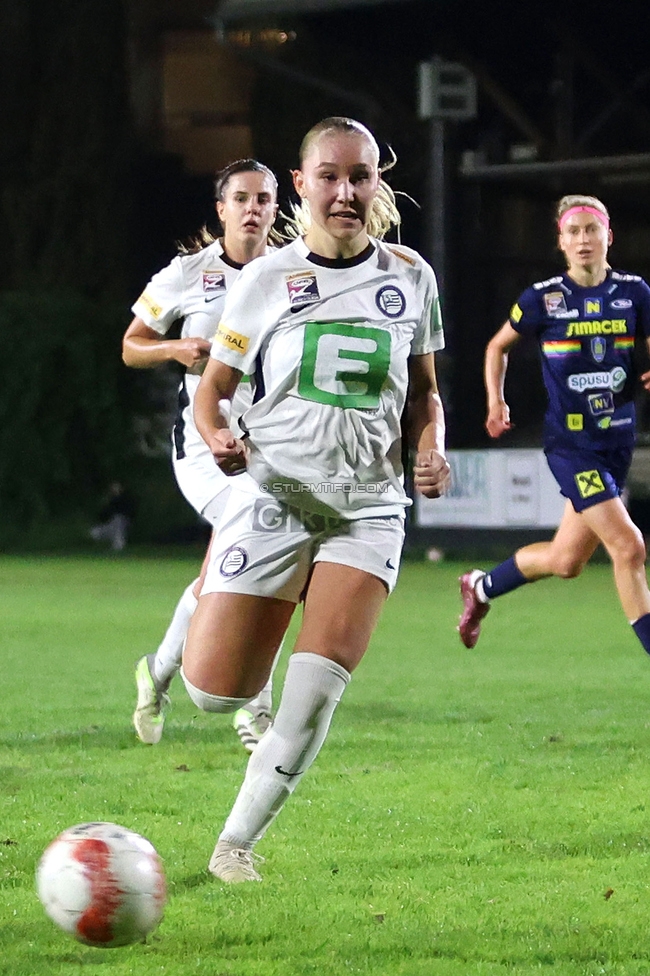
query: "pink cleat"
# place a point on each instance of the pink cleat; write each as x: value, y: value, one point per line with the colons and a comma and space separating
x: 469, y: 625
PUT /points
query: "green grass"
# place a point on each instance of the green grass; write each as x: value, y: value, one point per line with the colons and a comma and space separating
x: 470, y: 813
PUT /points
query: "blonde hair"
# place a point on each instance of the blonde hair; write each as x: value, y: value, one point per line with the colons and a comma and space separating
x: 383, y: 211
x: 577, y: 200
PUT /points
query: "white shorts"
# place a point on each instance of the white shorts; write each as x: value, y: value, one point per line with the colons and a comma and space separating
x: 200, y: 480
x: 206, y: 487
x: 264, y: 548
x: 197, y: 474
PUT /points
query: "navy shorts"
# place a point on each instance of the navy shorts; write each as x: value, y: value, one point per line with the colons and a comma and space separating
x: 587, y: 478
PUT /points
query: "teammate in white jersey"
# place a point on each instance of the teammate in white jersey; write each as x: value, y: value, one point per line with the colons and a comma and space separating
x: 339, y: 330
x: 192, y: 288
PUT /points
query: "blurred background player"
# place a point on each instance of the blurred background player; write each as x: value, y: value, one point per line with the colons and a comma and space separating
x: 192, y: 288
x: 115, y: 517
x: 585, y: 322
x: 342, y: 328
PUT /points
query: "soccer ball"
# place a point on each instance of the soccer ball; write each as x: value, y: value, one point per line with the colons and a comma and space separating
x: 103, y: 884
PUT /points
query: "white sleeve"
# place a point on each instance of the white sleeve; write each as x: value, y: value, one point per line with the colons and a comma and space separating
x: 244, y: 324
x: 161, y: 303
x: 429, y: 335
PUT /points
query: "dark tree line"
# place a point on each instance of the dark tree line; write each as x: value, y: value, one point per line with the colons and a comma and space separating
x: 65, y: 157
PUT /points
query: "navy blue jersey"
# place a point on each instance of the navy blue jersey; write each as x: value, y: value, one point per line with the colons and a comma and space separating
x: 586, y: 337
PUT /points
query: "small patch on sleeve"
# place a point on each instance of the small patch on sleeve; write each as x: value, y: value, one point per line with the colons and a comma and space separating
x: 149, y: 303
x: 231, y: 340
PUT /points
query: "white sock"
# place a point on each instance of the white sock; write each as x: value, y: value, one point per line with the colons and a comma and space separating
x: 169, y: 655
x: 312, y: 690
x: 480, y: 591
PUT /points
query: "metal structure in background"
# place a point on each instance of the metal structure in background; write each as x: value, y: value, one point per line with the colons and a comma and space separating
x: 233, y: 9
x: 227, y: 11
x: 562, y: 149
x: 446, y: 92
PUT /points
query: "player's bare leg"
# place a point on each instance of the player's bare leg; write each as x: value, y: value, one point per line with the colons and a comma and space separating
x: 232, y: 642
x: 332, y: 640
x: 565, y: 555
x: 625, y: 546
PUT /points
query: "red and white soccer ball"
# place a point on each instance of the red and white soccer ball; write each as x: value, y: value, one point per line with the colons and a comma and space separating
x: 103, y: 884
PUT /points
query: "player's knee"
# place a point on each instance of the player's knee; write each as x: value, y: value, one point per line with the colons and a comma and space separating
x: 639, y: 545
x: 629, y: 548
x: 568, y: 566
x: 208, y: 702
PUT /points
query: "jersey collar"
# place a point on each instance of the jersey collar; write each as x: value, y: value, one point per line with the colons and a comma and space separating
x: 337, y: 262
x: 229, y: 261
x: 570, y: 283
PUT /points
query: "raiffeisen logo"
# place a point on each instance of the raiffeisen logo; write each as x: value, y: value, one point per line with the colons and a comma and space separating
x: 613, y: 379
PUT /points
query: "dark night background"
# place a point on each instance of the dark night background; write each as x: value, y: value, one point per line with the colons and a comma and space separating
x: 98, y: 183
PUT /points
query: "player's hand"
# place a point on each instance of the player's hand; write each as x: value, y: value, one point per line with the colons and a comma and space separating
x: 431, y: 474
x: 645, y: 379
x: 190, y: 352
x: 228, y: 451
x: 498, y: 420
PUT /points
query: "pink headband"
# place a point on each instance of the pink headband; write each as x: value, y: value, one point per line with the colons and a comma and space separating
x: 590, y: 210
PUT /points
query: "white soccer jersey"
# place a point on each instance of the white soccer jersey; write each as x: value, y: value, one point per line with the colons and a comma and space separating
x: 328, y: 343
x: 193, y: 288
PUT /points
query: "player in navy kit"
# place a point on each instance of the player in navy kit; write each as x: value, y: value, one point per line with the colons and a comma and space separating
x: 585, y: 321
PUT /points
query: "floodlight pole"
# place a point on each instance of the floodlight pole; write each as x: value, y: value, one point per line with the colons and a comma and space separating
x: 436, y: 229
x: 446, y: 90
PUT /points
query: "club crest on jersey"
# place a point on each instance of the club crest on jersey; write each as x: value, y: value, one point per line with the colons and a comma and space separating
x: 214, y: 281
x: 303, y: 289
x: 593, y: 306
x: 555, y: 302
x: 390, y: 301
x: 234, y: 562
x: 598, y: 348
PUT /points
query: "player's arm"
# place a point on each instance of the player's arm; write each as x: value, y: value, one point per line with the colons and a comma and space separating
x: 426, y: 428
x: 645, y: 377
x: 496, y: 365
x: 143, y: 348
x: 219, y: 383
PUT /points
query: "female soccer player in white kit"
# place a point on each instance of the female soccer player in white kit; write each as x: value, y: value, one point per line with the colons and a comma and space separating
x: 339, y: 330
x: 193, y: 288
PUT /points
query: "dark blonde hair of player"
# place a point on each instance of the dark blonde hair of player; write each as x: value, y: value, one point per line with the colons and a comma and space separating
x: 243, y: 189
x: 584, y: 240
x: 233, y: 637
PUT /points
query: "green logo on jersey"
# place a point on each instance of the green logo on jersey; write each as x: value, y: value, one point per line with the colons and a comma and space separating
x: 344, y: 365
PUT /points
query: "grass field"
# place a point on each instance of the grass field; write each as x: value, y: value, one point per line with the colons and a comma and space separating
x: 472, y: 813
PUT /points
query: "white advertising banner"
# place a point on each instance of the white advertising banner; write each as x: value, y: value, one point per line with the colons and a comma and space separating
x: 511, y: 489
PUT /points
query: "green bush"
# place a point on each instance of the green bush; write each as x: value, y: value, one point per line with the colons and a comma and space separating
x: 64, y: 404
